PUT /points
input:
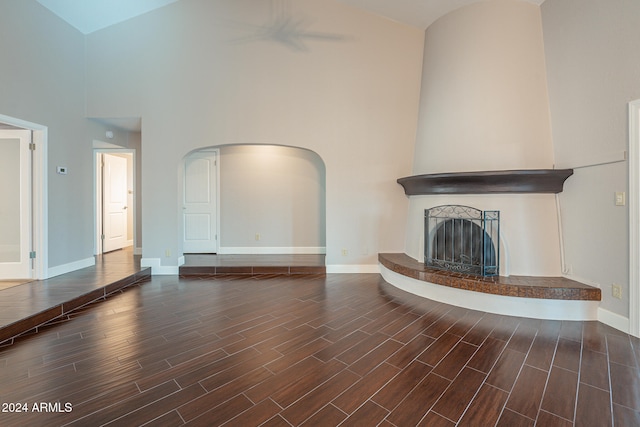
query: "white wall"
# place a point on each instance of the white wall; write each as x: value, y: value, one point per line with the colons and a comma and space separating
x: 593, y: 67
x: 275, y: 192
x: 352, y: 100
x: 484, y: 106
x: 42, y: 81
x: 484, y: 103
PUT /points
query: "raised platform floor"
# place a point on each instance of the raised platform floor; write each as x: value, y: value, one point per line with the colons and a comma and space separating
x: 26, y: 307
x: 212, y: 264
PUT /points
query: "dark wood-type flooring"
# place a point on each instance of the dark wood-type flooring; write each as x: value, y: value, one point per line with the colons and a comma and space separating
x: 24, y: 307
x: 324, y: 350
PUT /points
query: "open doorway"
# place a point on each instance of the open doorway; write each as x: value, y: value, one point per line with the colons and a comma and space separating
x: 24, y: 219
x: 15, y: 205
x: 272, y: 200
x: 115, y: 202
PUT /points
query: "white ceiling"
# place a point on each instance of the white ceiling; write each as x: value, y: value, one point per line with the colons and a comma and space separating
x: 92, y: 15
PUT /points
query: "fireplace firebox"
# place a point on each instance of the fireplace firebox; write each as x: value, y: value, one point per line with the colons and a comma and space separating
x: 462, y: 239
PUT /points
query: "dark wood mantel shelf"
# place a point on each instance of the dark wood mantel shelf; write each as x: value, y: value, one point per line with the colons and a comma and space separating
x: 486, y: 182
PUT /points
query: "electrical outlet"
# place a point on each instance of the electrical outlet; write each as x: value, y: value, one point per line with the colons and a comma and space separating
x: 616, y: 291
x: 257, y: 236
x: 167, y: 253
x: 345, y: 252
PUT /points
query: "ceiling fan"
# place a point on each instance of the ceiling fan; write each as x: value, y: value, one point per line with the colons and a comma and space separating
x: 286, y: 29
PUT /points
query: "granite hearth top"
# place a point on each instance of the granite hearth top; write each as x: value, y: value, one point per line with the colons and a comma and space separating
x: 487, y: 182
x: 558, y: 288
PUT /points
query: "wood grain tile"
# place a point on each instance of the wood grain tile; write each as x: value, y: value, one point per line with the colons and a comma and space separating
x: 439, y: 349
x: 625, y: 385
x: 395, y: 391
x: 486, y: 406
x: 592, y: 407
x: 282, y: 350
x: 419, y: 401
x: 505, y: 372
x: 368, y: 414
x: 527, y: 392
x: 327, y: 416
x: 365, y: 388
x: 560, y: 397
x: 455, y: 361
x: 460, y: 393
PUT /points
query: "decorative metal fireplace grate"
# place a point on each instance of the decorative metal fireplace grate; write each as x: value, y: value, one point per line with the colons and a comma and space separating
x: 462, y: 239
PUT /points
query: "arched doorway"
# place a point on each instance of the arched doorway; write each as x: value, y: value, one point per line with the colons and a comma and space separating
x: 271, y: 199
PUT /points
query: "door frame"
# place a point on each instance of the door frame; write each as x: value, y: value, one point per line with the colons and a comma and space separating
x: 97, y: 194
x: 39, y: 195
x: 634, y: 218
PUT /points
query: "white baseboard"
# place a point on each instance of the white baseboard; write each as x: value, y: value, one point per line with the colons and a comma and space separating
x: 582, y: 280
x: 275, y: 250
x: 353, y: 269
x: 72, y: 266
x: 157, y: 269
x: 614, y: 320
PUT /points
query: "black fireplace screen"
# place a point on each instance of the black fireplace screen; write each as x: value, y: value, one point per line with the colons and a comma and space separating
x: 462, y: 239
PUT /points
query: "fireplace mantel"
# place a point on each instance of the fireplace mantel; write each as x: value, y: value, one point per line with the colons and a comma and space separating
x: 487, y: 182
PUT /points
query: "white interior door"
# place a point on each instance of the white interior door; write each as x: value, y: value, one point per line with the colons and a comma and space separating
x: 199, y: 206
x: 114, y: 218
x: 15, y: 204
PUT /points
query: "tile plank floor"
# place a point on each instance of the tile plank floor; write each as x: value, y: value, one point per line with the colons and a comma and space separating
x: 24, y: 307
x: 316, y: 350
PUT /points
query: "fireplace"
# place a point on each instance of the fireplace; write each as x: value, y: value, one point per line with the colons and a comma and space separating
x: 462, y: 239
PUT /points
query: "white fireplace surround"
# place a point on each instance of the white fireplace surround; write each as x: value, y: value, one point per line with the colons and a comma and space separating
x: 530, y: 240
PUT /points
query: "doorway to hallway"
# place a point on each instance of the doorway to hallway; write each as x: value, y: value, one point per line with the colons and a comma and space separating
x: 15, y: 204
x: 24, y: 240
x: 115, y: 201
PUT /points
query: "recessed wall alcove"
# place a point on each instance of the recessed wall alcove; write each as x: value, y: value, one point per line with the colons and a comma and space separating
x: 270, y: 199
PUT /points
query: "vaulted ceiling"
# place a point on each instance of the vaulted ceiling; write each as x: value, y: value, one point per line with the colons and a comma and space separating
x: 91, y: 15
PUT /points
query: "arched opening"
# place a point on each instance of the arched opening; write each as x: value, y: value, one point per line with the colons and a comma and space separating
x: 270, y: 199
